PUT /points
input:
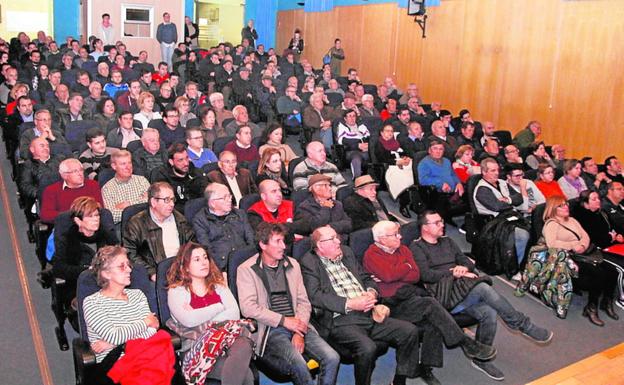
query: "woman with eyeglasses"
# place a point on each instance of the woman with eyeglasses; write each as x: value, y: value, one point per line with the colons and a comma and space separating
x: 561, y: 231
x: 546, y: 182
x: 200, y: 302
x: 182, y: 104
x: 115, y: 315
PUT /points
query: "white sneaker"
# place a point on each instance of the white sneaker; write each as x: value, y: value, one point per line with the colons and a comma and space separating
x: 517, y: 277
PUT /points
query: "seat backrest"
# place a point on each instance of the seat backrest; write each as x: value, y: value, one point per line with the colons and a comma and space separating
x: 87, y: 285
x: 76, y: 133
x: 301, y: 247
x: 504, y: 137
x: 161, y: 289
x: 334, y: 99
x: 291, y: 168
x: 192, y: 207
x: 235, y: 260
x: 537, y: 220
x: 359, y: 241
x: 343, y: 192
x: 219, y: 144
x: 209, y: 167
x: 409, y: 232
x: 248, y: 200
x: 471, y: 185
x: 129, y: 212
x: 105, y: 175
x: 226, y: 122
x: 134, y: 146
x: 299, y: 196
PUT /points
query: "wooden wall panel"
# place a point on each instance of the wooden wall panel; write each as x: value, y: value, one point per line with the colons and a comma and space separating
x: 507, y: 61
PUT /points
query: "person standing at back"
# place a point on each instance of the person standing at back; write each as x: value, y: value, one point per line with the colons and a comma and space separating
x: 167, y: 36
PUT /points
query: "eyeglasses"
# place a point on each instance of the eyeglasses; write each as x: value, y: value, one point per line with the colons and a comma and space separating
x: 122, y: 267
x: 226, y: 197
x: 229, y: 161
x: 75, y: 171
x: 437, y: 223
x: 395, y: 235
x: 334, y: 238
x: 166, y: 199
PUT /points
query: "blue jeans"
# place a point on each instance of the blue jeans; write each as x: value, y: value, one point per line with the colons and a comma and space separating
x: 521, y: 238
x: 484, y: 303
x: 166, y: 53
x: 282, y: 354
x: 327, y: 138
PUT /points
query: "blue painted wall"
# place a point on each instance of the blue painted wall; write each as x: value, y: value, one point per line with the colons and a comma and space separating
x: 264, y: 13
x: 285, y: 5
x: 66, y: 22
x: 189, y: 9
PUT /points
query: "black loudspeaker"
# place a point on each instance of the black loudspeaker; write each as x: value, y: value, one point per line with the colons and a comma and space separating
x: 416, y: 7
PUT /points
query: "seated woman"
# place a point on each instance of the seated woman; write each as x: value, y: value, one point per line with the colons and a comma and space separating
x: 271, y: 167
x: 354, y: 137
x: 146, y: 109
x: 76, y: 246
x: 209, y: 128
x: 106, y: 117
x: 182, y: 104
x: 564, y: 232
x: 273, y: 137
x: 115, y: 315
x: 546, y: 181
x: 464, y: 165
x: 198, y: 296
x: 571, y: 182
x: 538, y: 155
x: 595, y: 221
x: 388, y: 151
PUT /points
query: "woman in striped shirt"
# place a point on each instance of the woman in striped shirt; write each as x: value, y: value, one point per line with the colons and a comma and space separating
x: 114, y: 314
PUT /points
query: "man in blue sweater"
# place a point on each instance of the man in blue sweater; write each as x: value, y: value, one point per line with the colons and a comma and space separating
x: 167, y: 36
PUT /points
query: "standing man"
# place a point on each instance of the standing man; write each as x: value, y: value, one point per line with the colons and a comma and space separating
x: 191, y: 33
x: 107, y: 31
x: 250, y: 33
x: 167, y: 36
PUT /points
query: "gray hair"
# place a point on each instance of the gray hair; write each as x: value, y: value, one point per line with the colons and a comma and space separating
x: 380, y: 229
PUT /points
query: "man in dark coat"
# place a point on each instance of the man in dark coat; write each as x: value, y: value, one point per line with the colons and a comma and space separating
x: 362, y: 206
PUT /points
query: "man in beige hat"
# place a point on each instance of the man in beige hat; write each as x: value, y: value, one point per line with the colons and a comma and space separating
x: 320, y: 209
x: 363, y: 207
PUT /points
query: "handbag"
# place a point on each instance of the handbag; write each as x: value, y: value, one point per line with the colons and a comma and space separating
x: 592, y: 255
x: 327, y: 58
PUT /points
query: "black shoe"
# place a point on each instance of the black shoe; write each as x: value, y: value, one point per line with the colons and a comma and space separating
x: 607, y: 305
x: 591, y: 312
x: 404, y: 210
x: 426, y: 374
x: 489, y: 369
x: 476, y: 350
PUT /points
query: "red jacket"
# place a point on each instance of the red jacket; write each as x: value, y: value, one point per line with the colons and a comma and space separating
x: 285, y: 212
x: 394, y: 270
x: 146, y: 361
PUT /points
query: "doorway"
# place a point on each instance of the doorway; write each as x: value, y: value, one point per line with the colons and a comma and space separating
x: 219, y: 21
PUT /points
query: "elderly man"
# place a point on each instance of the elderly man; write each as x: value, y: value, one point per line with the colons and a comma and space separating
x: 149, y: 156
x: 512, y: 156
x: 271, y: 291
x: 241, y: 118
x: 124, y: 189
x: 320, y: 209
x: 74, y: 112
x: 612, y: 205
x: 43, y: 129
x: 488, y: 133
x: 354, y: 137
x: 317, y: 121
x: 491, y: 149
x: 368, y: 106
x: 41, y: 165
x: 413, y: 141
x: 198, y: 154
x: 180, y: 173
x: 157, y: 232
x: 220, y: 227
x: 289, y: 105
x: 245, y: 151
x: 493, y: 196
x: 528, y: 135
x: 238, y: 181
x: 97, y: 156
x: 440, y: 259
x: 125, y: 133
x: 59, y: 196
x: 346, y: 310
x: 393, y: 265
x: 316, y: 163
x: 273, y: 208
x: 363, y: 207
x: 439, y: 133
x: 218, y: 104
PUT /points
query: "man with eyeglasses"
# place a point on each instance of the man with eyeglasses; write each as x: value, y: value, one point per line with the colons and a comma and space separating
x: 531, y: 195
x: 59, y: 196
x: 612, y: 205
x: 397, y: 273
x: 347, y: 310
x: 512, y: 157
x: 171, y: 131
x: 320, y: 209
x: 43, y: 128
x: 157, y: 232
x: 195, y: 149
x: 220, y: 227
x: 439, y: 259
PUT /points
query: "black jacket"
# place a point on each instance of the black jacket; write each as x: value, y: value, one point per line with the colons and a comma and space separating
x: 361, y: 211
x: 320, y: 216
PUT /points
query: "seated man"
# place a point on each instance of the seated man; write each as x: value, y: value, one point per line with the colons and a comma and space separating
x: 171, y: 131
x: 528, y: 135
x: 393, y: 265
x: 346, y: 311
x: 124, y: 189
x: 125, y: 133
x: 467, y: 136
x: 282, y: 309
x: 59, y: 196
x: 320, y: 209
x: 363, y: 207
x: 354, y: 137
x: 614, y: 169
x: 195, y: 149
x: 149, y: 156
x: 316, y: 163
x: 531, y: 195
x: 491, y: 149
x: 238, y: 181
x: 438, y: 258
x: 273, y: 208
x: 512, y: 156
x: 221, y: 228
x: 157, y: 232
x: 592, y: 177
x: 179, y: 172
x: 493, y: 195
x: 440, y: 134
x: 241, y: 118
x: 242, y: 146
x: 413, y: 141
x: 612, y: 205
x: 43, y: 128
x: 98, y: 156
x: 41, y: 165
